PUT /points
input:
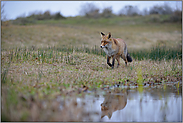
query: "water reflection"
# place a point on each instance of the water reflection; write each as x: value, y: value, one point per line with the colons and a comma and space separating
x: 150, y: 105
x: 112, y: 103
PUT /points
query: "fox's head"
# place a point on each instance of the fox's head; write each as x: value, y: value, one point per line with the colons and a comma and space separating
x: 105, y: 40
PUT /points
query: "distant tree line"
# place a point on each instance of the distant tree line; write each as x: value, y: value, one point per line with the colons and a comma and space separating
x: 36, y: 15
x: 45, y: 16
x: 90, y: 10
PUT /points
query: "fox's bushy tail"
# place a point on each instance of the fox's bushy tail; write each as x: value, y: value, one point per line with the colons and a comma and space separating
x: 129, y: 59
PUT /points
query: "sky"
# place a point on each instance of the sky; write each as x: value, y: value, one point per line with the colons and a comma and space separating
x: 14, y: 9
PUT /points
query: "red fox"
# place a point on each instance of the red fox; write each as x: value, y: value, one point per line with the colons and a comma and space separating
x: 114, y: 48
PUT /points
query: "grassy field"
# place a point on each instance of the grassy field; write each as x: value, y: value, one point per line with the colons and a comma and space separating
x: 50, y: 58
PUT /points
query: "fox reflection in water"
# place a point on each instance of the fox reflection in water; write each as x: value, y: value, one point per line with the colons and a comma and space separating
x: 113, y: 103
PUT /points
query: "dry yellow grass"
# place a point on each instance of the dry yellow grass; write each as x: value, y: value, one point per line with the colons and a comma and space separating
x: 136, y: 37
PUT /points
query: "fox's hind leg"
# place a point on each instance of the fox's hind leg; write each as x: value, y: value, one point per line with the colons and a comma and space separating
x: 125, y: 59
x: 125, y: 63
x: 108, y: 61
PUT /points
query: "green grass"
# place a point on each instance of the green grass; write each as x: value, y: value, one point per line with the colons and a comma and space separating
x: 116, y: 20
x: 158, y: 53
x: 74, y: 56
x: 64, y: 54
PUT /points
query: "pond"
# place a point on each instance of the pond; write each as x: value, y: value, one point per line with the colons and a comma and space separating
x: 122, y: 104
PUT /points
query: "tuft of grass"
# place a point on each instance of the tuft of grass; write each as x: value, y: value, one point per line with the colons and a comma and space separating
x: 158, y: 53
x: 5, y: 72
x: 139, y: 76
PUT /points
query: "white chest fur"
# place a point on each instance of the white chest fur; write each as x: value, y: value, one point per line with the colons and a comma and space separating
x: 109, y: 51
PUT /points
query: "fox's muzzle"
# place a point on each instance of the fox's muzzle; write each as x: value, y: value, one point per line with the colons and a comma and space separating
x: 101, y: 46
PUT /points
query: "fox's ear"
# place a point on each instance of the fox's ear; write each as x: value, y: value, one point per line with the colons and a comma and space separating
x: 109, y: 114
x: 102, y: 34
x: 109, y: 35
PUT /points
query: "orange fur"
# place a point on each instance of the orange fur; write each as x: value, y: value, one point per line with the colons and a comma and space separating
x: 114, y: 48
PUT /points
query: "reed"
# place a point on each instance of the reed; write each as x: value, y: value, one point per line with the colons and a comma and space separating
x: 66, y: 54
x: 158, y: 53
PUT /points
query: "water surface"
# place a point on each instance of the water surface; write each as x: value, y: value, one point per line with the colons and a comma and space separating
x: 128, y: 105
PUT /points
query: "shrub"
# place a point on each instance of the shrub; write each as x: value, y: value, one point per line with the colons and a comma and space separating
x: 176, y: 17
x: 58, y: 16
x: 107, y: 12
x: 89, y: 10
x: 23, y: 21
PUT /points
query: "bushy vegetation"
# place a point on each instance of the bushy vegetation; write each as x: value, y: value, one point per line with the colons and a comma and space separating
x: 32, y: 18
x: 91, y: 10
x: 157, y: 14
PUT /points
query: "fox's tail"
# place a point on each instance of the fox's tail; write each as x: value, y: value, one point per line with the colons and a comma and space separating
x: 129, y: 59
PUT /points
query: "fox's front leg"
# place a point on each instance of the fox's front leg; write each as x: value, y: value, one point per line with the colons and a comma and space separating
x: 113, y: 60
x: 108, y: 61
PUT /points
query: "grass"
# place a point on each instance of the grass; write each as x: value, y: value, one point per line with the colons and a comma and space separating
x: 78, y: 66
x: 115, y: 20
x: 79, y: 31
x: 158, y: 53
x: 62, y: 54
x: 51, y: 58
